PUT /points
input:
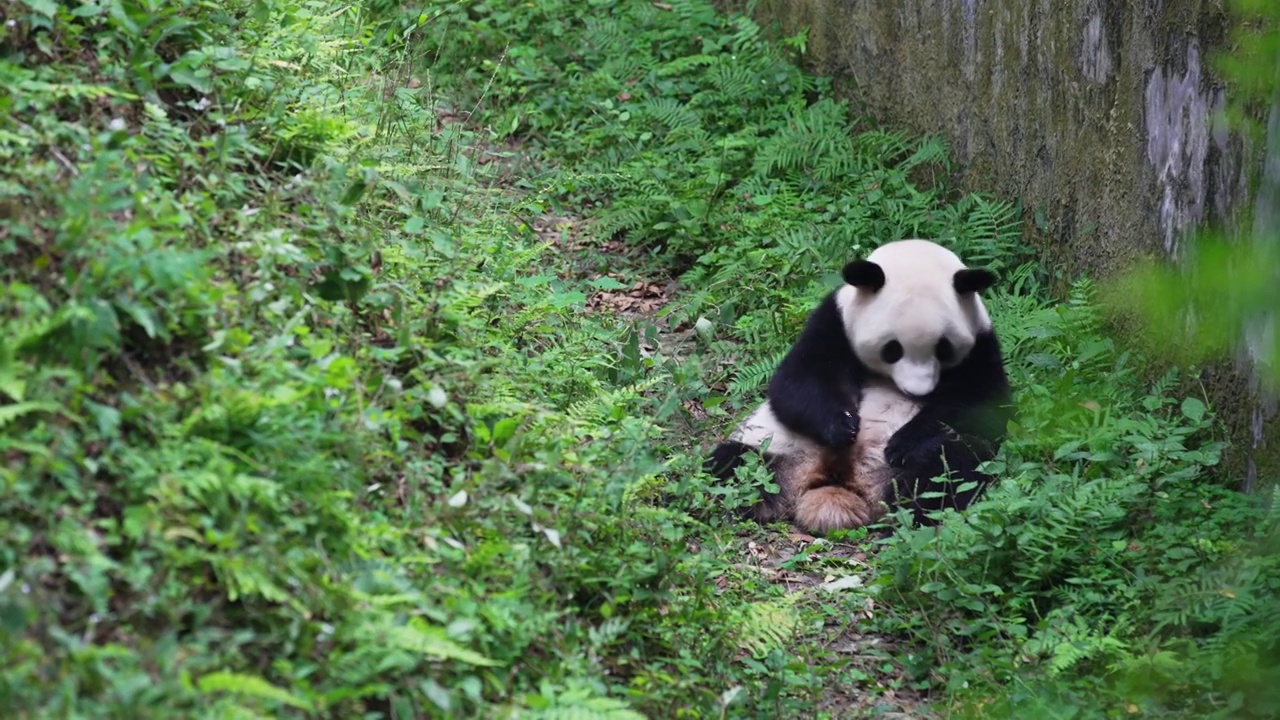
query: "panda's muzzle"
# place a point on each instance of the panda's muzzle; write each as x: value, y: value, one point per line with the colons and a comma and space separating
x: 916, y: 380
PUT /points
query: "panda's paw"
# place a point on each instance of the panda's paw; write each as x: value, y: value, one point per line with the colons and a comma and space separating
x: 841, y: 431
x: 907, y: 449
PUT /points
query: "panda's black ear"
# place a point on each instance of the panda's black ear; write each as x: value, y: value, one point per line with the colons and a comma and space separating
x: 864, y: 274
x: 972, y: 280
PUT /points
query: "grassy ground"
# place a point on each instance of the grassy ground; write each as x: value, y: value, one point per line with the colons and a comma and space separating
x: 359, y: 362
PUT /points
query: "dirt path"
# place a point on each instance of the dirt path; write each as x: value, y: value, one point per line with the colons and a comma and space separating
x: 819, y: 570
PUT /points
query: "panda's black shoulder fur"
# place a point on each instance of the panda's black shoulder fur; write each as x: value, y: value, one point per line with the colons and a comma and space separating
x: 816, y: 386
x: 815, y: 390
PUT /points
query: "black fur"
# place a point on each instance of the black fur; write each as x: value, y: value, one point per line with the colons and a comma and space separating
x: 727, y: 458
x: 971, y: 280
x: 864, y: 274
x: 819, y: 381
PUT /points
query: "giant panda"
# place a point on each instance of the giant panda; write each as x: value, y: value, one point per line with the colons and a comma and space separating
x: 897, y: 378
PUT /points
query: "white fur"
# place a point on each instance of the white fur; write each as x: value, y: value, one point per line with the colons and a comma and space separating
x: 763, y: 425
x: 882, y: 412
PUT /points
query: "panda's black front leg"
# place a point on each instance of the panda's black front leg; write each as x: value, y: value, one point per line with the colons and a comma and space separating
x: 822, y: 411
x: 918, y: 441
x: 945, y: 442
x: 816, y: 388
x: 971, y: 424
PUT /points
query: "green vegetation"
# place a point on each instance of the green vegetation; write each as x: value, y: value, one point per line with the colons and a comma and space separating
x: 358, y: 361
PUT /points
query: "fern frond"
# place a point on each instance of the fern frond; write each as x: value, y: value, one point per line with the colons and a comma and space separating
x: 1274, y: 515
x: 753, y: 376
x: 815, y: 137
x: 612, y: 38
x: 604, y: 407
x: 628, y: 217
x: 696, y: 14
x: 470, y: 297
x: 747, y: 38
x: 882, y: 147
x: 682, y: 65
x: 768, y: 625
x: 930, y: 149
x: 580, y: 704
x: 735, y: 79
x: 670, y: 112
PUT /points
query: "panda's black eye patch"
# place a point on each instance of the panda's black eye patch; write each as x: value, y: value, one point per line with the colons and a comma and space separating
x: 945, y: 350
x: 891, y: 352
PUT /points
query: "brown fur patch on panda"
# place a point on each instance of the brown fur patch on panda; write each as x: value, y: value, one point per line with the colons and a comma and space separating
x: 829, y: 491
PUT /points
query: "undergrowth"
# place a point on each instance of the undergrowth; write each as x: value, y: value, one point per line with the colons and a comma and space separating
x: 1108, y: 574
x: 304, y: 411
x: 293, y: 423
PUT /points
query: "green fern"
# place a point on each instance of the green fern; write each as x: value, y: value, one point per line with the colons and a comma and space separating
x: 735, y: 80
x: 767, y: 625
x: 817, y: 137
x: 746, y: 39
x: 576, y: 704
x: 603, y: 409
x: 631, y: 217
x: 685, y: 64
x: 249, y: 686
x: 692, y: 13
x: 928, y: 150
x: 753, y: 376
x: 1068, y: 653
x: 671, y: 113
x: 612, y: 40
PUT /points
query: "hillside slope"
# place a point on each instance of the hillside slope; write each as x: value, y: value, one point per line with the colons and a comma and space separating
x: 359, y: 362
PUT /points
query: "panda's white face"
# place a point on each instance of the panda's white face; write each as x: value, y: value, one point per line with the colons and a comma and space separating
x: 904, y: 316
x: 913, y: 354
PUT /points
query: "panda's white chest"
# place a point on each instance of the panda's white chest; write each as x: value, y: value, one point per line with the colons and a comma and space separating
x: 882, y: 410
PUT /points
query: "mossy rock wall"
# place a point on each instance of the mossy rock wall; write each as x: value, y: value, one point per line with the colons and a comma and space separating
x: 1100, y: 115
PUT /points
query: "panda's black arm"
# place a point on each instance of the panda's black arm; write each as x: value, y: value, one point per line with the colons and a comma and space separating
x: 815, y: 389
x: 973, y: 401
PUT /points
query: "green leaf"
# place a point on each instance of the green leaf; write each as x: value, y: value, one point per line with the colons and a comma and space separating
x: 144, y: 317
x: 1194, y: 409
x: 607, y: 283
x: 250, y: 686
x: 9, y: 413
x: 432, y: 199
x: 504, y: 429
x: 354, y: 192
x: 47, y: 8
x: 11, y: 384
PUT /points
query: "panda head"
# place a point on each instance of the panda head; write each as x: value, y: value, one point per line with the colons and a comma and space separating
x: 912, y: 310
